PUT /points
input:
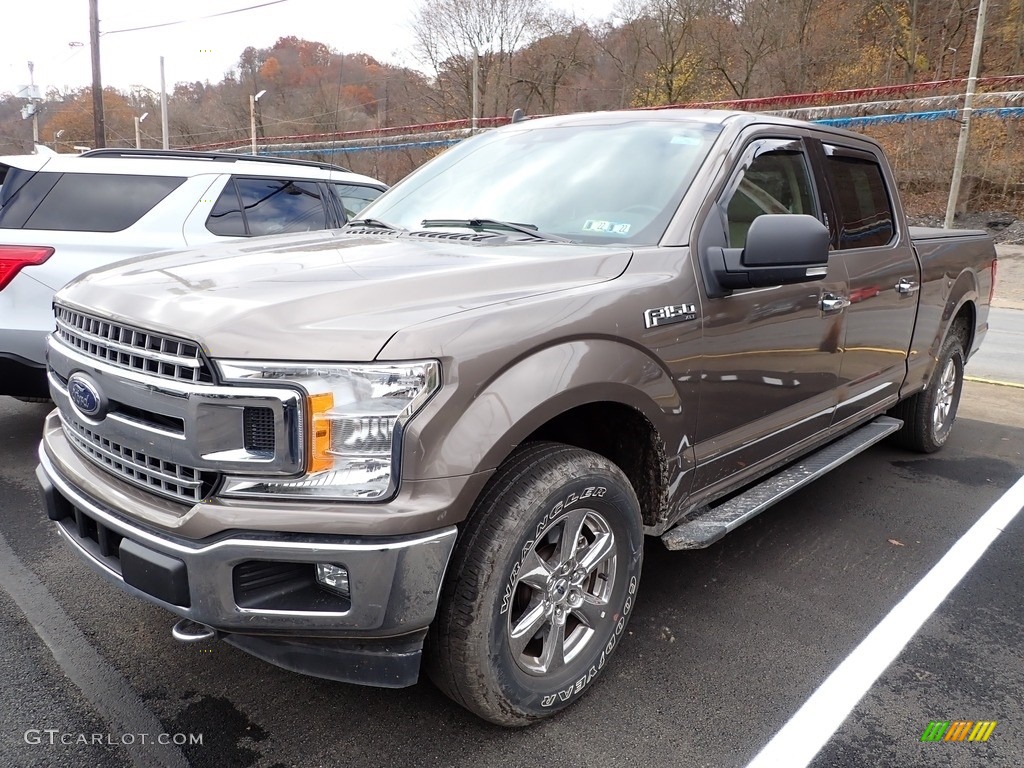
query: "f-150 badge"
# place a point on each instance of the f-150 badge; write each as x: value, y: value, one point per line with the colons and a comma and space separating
x: 675, y: 313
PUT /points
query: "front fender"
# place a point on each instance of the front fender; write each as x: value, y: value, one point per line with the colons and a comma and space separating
x: 475, y: 427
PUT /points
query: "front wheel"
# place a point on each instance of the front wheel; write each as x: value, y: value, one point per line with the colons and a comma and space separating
x: 541, y: 585
x: 928, y: 416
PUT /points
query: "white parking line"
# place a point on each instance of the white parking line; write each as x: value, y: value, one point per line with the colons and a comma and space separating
x: 807, y: 731
x: 103, y: 686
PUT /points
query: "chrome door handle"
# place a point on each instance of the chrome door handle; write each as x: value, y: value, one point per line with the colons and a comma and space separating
x: 832, y: 303
x: 905, y: 286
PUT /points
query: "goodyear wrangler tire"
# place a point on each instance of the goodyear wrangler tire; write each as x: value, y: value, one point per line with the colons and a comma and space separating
x: 541, y: 585
x: 928, y: 416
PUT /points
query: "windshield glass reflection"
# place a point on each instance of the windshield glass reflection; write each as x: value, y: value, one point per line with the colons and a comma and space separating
x: 618, y: 181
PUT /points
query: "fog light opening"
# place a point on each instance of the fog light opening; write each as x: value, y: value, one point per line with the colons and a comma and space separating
x: 333, y: 577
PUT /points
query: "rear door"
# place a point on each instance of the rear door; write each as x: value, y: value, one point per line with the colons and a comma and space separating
x: 884, y: 278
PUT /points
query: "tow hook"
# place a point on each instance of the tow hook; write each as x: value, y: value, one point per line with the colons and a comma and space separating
x: 188, y: 631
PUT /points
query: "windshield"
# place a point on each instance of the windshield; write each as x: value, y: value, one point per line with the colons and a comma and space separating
x: 614, y: 182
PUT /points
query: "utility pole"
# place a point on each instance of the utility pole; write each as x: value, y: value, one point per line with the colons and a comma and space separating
x: 163, y: 107
x: 965, y: 123
x: 253, y: 98
x: 138, y: 129
x: 35, y: 109
x: 99, y: 129
x: 476, y: 74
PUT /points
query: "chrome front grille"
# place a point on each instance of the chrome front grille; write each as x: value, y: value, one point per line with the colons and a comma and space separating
x: 133, y: 349
x: 174, y: 481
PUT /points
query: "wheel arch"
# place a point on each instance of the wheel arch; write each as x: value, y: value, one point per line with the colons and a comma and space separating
x: 596, y: 394
x: 624, y: 436
x: 960, y: 308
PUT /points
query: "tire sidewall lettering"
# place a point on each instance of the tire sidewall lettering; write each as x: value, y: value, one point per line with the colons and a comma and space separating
x: 563, y: 695
x: 495, y: 682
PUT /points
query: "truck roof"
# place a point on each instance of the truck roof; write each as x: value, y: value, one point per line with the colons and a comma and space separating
x: 736, y: 119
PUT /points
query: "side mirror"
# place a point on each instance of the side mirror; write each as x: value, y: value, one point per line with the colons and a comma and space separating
x: 781, y: 249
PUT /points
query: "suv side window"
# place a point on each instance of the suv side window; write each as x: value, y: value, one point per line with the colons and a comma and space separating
x: 85, y: 202
x: 226, y: 215
x: 21, y: 194
x: 861, y: 199
x: 354, y: 197
x: 250, y: 207
x: 273, y: 206
x: 774, y: 178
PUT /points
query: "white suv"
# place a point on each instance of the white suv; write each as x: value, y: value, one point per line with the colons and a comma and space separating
x: 62, y: 215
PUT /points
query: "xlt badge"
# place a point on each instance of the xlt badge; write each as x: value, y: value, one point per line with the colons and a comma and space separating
x: 675, y: 313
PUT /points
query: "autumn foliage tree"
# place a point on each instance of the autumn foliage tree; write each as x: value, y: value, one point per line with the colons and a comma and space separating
x: 70, y: 114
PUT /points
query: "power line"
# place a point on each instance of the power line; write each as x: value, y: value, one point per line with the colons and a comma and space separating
x: 197, y: 18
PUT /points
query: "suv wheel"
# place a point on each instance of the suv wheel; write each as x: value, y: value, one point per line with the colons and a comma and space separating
x: 541, y: 585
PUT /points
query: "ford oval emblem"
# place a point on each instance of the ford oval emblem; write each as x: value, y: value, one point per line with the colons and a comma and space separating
x: 85, y: 396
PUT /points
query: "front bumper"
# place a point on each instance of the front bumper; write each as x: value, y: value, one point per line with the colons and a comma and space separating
x: 258, y: 589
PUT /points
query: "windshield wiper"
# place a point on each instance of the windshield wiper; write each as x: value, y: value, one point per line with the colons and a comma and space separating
x: 526, y: 229
x: 372, y: 224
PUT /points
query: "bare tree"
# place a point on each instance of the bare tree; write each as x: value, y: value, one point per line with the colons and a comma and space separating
x: 564, y: 49
x: 663, y: 31
x: 454, y: 36
x: 742, y: 36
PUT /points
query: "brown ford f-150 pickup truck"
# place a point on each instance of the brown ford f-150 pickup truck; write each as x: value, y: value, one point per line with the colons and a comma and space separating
x: 442, y: 434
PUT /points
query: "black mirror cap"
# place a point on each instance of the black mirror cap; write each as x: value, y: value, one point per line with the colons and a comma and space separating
x: 786, y: 240
x: 781, y: 249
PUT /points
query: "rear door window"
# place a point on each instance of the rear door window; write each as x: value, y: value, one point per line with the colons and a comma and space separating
x: 861, y: 199
x: 85, y: 202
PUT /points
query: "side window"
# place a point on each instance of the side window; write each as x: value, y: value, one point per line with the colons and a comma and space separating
x: 88, y: 202
x: 21, y: 194
x: 776, y: 180
x: 862, y: 201
x: 273, y: 206
x: 226, y: 216
x: 354, y: 197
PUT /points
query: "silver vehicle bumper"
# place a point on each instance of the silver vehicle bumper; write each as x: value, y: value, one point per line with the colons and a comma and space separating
x: 259, y: 590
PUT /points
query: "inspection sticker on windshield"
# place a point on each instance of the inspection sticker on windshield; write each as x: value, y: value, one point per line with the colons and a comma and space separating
x: 611, y: 227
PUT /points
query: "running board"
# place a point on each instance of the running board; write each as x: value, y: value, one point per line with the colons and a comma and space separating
x: 709, y: 527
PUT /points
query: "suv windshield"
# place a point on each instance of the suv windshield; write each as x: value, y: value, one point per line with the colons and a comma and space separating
x: 614, y: 182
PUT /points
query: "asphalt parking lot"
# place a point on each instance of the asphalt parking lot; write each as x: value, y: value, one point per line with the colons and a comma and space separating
x: 726, y: 643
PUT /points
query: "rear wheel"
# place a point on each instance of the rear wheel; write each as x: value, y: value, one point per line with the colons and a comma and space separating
x: 928, y: 416
x: 541, y: 585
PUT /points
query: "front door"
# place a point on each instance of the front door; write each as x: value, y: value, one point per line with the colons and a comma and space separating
x: 771, y: 356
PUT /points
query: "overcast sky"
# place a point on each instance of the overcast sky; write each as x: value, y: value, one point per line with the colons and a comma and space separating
x: 54, y: 34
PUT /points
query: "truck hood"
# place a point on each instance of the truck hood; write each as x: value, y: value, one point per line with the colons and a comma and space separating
x: 329, y: 296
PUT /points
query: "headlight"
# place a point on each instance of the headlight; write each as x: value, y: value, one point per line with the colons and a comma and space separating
x: 354, y: 413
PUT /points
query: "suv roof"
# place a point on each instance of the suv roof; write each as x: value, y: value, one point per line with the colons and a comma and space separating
x: 183, y: 163
x: 224, y: 157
